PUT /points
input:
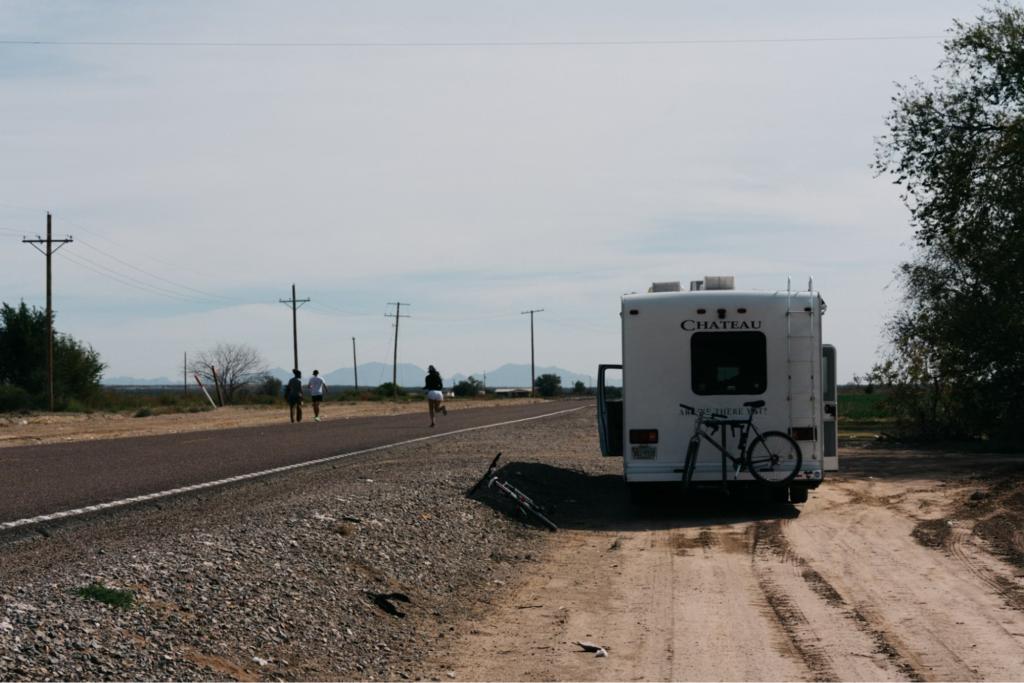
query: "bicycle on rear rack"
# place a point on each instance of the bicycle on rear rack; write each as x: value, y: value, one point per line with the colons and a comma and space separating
x: 773, y: 458
x: 523, y: 503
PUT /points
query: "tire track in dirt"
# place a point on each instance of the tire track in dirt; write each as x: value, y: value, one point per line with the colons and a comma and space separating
x: 957, y: 538
x: 793, y: 622
x: 769, y: 539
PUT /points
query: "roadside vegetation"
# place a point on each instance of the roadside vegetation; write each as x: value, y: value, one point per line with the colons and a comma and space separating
x: 953, y: 370
x: 24, y: 384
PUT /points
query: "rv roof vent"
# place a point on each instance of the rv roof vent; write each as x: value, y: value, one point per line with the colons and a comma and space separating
x: 666, y: 287
x: 719, y: 282
x: 696, y: 285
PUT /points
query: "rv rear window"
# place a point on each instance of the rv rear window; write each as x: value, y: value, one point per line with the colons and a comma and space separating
x: 728, y: 363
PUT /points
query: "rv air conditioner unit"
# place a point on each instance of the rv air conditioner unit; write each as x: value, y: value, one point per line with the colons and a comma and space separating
x: 719, y: 282
x: 666, y: 287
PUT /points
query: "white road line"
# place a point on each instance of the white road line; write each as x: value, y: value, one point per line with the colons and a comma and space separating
x: 242, y: 477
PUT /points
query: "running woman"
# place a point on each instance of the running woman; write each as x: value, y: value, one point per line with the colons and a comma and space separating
x: 317, y: 389
x: 435, y: 398
x: 293, y: 394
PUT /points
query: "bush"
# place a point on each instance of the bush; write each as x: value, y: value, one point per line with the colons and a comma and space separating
x: 144, y: 412
x: 468, y: 387
x: 269, y: 386
x: 14, y: 399
x: 387, y: 390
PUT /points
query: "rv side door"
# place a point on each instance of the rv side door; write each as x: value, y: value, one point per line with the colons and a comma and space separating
x: 609, y: 414
x: 830, y: 424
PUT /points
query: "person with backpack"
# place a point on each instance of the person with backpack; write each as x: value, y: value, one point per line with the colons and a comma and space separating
x: 435, y: 397
x: 293, y: 394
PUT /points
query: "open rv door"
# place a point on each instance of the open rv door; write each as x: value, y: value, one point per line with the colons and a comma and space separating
x: 830, y: 418
x: 609, y: 414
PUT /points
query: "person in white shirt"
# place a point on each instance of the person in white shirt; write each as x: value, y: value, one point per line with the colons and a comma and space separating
x: 317, y: 389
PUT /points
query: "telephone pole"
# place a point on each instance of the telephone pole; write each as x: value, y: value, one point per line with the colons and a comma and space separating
x: 533, y: 372
x: 394, y: 367
x: 355, y: 365
x: 295, y: 323
x: 49, y: 242
x: 184, y: 369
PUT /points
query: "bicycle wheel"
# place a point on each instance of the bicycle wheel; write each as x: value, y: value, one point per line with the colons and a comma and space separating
x: 487, y: 475
x: 547, y: 522
x: 774, y: 459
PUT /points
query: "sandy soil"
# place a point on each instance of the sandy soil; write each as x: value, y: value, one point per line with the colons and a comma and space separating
x: 908, y: 566
x: 16, y: 430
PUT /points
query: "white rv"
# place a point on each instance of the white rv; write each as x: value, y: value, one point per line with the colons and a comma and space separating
x: 715, y: 347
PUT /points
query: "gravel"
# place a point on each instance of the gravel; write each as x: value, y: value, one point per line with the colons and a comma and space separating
x: 276, y: 579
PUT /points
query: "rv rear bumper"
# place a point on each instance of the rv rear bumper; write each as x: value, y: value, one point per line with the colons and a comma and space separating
x: 810, y: 479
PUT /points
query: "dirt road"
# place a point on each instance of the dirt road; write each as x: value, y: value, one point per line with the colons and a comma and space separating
x: 884, y: 574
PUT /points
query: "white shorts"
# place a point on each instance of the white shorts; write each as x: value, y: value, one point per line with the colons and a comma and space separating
x: 435, y: 395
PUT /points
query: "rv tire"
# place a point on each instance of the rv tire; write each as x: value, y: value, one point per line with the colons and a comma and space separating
x: 798, y: 495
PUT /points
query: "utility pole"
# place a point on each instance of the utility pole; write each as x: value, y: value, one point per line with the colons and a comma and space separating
x: 49, y: 242
x: 533, y: 372
x: 355, y: 365
x: 185, y: 370
x: 295, y: 324
x: 394, y: 367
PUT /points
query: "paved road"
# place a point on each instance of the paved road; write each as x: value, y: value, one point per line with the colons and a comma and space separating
x: 42, y: 480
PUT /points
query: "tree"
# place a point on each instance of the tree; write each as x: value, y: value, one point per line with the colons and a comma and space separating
x: 468, y: 387
x: 239, y: 367
x: 269, y: 385
x: 387, y: 390
x: 77, y: 367
x: 579, y: 387
x: 549, y: 385
x: 956, y: 146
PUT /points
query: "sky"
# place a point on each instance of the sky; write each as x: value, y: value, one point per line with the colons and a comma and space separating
x: 464, y: 157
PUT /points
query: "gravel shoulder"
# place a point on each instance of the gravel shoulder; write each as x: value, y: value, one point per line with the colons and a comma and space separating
x: 276, y: 579
x: 18, y: 430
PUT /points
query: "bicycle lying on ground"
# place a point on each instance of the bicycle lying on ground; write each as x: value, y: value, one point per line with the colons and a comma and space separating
x: 773, y: 458
x: 523, y: 502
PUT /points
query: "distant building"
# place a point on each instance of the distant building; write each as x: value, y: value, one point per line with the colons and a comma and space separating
x: 512, y: 393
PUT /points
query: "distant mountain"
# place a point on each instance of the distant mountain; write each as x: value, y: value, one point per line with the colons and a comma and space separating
x: 138, y: 382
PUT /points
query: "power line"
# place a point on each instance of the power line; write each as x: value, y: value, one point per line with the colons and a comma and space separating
x: 22, y: 208
x: 151, y: 287
x: 144, y: 287
x: 135, y: 251
x: 532, y: 43
x: 162, y: 279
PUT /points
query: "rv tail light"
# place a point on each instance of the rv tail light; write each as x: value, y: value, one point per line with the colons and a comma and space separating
x: 643, y: 436
x: 804, y: 434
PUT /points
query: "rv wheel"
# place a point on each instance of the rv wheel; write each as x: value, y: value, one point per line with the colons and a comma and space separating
x: 798, y: 495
